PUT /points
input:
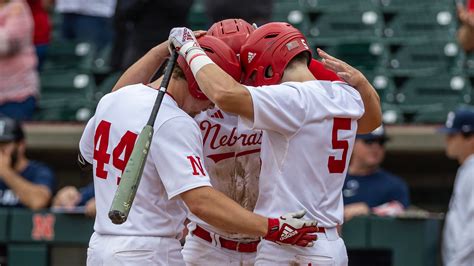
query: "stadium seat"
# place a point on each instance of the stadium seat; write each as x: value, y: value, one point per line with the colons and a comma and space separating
x: 383, y: 84
x: 101, y: 62
x: 336, y: 5
x: 106, y: 85
x: 292, y: 14
x: 197, y: 17
x: 469, y: 64
x: 347, y: 25
x: 65, y: 96
x: 428, y: 99
x: 392, y: 114
x: 363, y: 55
x: 69, y: 55
x: 424, y: 58
x: 407, y: 5
x: 420, y: 24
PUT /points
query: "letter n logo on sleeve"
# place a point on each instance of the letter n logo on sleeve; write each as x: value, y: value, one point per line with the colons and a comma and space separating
x: 197, y: 165
x: 43, y: 226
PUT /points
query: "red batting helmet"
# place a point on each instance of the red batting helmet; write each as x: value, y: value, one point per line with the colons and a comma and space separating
x: 272, y: 45
x: 233, y: 32
x: 221, y: 54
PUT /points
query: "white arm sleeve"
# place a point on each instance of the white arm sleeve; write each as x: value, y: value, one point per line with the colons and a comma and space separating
x: 464, y: 254
x: 177, y: 154
x: 86, y: 144
x: 279, y: 108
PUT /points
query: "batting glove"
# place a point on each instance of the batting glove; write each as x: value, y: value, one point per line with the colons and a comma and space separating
x: 290, y: 229
x: 183, y: 40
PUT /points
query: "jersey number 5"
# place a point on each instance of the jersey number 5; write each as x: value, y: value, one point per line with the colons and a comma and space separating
x: 338, y: 166
x: 101, y: 144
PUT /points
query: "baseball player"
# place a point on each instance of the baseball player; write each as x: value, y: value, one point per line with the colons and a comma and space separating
x: 293, y: 116
x: 232, y: 158
x: 174, y: 178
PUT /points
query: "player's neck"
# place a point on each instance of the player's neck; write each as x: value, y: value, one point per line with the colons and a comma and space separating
x: 298, y: 73
x: 174, y: 88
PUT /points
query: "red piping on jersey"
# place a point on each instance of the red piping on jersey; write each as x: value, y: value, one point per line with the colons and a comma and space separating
x: 222, y: 156
x: 149, y: 85
x: 171, y: 95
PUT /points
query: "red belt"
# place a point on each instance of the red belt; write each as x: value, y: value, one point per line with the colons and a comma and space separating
x: 247, y: 247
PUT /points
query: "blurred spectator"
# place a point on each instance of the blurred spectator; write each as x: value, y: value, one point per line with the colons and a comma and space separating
x: 18, y: 75
x: 22, y: 182
x: 369, y: 188
x: 87, y: 20
x: 259, y: 12
x: 136, y: 30
x: 70, y: 197
x: 42, y: 28
x: 466, y: 30
x: 458, y: 235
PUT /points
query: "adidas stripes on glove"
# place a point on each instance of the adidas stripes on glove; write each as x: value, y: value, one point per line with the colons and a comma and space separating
x: 291, y: 229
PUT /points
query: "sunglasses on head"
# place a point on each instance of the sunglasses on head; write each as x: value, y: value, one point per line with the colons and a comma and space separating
x: 381, y: 142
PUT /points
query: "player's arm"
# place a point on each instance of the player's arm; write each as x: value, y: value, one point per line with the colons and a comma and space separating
x: 146, y: 67
x: 372, y: 117
x: 466, y: 30
x: 33, y: 196
x: 229, y: 95
x: 218, y: 210
x: 178, y: 160
x: 219, y: 87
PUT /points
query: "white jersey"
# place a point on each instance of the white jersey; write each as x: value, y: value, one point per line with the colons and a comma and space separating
x: 309, y: 131
x: 232, y: 158
x: 458, y: 233
x: 173, y: 164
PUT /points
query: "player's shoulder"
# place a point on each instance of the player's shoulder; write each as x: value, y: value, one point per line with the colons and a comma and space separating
x: 332, y: 87
x: 129, y: 93
x: 215, y: 114
x: 178, y: 127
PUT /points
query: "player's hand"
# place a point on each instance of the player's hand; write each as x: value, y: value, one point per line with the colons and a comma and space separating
x: 163, y: 49
x: 355, y: 209
x: 466, y: 17
x: 291, y: 229
x: 67, y: 197
x: 183, y: 40
x: 90, y: 208
x: 346, y: 72
x: 5, y: 161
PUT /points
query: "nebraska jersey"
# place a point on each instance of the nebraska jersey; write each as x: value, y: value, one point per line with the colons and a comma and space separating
x: 232, y: 159
x: 309, y: 131
x: 173, y: 166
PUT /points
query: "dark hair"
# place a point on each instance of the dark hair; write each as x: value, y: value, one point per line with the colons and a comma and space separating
x: 301, y: 58
x: 178, y: 73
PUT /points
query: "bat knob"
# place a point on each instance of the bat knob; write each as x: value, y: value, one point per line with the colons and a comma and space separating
x: 117, y: 217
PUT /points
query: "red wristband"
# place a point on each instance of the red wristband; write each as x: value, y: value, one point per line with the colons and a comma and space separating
x: 273, y: 226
